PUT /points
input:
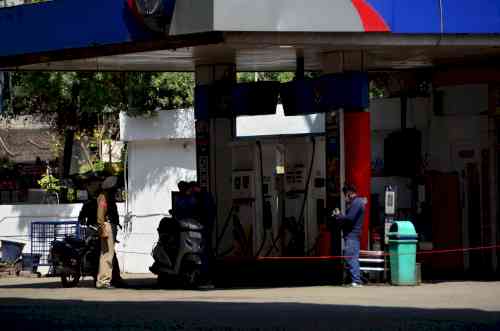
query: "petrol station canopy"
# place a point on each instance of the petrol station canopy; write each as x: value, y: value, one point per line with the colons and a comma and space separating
x: 257, y: 35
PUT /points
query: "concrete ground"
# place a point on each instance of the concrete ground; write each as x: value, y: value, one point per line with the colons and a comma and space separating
x: 41, y: 304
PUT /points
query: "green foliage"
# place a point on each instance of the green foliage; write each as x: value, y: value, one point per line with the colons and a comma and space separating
x: 97, y: 166
x: 49, y: 183
x: 81, y: 100
x: 282, y: 77
x: 150, y: 92
x: 6, y: 165
x: 88, y: 104
x: 71, y: 194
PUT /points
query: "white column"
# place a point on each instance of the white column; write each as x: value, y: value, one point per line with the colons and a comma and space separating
x: 220, y: 133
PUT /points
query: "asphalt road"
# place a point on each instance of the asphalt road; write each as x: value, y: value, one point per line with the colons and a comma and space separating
x: 41, y: 304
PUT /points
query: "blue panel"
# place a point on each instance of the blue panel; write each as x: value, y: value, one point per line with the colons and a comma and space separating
x: 202, y: 102
x: 472, y: 16
x: 66, y: 24
x: 410, y: 16
x: 260, y: 98
x: 301, y: 97
x: 213, y: 101
x: 346, y: 90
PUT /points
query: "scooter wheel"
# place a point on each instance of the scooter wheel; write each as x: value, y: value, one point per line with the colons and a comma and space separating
x: 70, y: 279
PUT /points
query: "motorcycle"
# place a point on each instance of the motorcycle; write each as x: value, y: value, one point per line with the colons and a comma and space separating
x: 178, y: 252
x: 73, y: 258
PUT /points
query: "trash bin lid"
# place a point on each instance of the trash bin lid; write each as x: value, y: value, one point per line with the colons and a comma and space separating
x: 402, y: 230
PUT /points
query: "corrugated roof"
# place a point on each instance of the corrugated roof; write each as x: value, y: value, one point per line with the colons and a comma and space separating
x: 25, y: 145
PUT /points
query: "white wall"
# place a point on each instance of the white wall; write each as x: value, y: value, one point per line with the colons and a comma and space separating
x: 161, y: 152
x: 155, y: 168
x: 15, y: 220
x: 9, y: 3
x: 167, y: 124
x: 462, y: 127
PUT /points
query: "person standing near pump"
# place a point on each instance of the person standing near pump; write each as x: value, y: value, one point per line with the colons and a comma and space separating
x: 184, y: 204
x: 107, y: 222
x: 351, y: 224
x: 88, y: 217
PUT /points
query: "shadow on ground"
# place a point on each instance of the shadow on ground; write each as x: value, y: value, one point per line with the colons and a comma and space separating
x: 151, y: 283
x: 55, y: 282
x: 24, y: 314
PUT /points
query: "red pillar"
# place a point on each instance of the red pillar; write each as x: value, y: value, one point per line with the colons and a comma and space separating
x: 357, y: 142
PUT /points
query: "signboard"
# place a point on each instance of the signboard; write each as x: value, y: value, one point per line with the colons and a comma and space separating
x: 203, y: 153
x: 333, y: 169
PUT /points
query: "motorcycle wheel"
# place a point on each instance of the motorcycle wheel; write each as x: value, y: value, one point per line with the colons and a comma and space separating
x: 190, y: 277
x: 70, y: 279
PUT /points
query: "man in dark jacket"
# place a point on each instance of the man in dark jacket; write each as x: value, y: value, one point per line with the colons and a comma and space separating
x: 185, y: 203
x: 351, y: 224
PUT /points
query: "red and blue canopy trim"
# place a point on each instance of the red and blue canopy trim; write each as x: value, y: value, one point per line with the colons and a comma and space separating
x: 370, y: 17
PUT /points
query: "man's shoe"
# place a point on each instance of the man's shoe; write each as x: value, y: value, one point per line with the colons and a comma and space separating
x: 356, y: 285
x: 105, y: 287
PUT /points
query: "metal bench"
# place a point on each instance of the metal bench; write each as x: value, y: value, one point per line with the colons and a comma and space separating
x: 374, y: 263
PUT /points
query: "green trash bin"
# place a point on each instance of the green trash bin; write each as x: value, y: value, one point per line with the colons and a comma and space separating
x: 403, y: 250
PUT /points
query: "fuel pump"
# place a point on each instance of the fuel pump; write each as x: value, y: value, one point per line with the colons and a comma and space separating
x: 254, y: 198
x: 279, y: 196
x: 305, y: 194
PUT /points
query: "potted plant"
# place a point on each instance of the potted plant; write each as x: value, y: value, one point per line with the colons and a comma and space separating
x: 52, y: 186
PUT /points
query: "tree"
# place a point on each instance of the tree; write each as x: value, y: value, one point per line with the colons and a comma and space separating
x: 88, y: 103
x: 282, y: 77
x: 276, y: 76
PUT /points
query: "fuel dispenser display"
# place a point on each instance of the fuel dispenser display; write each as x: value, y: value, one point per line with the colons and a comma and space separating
x: 244, y: 217
x: 390, y: 211
x: 295, y: 179
x: 243, y: 185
